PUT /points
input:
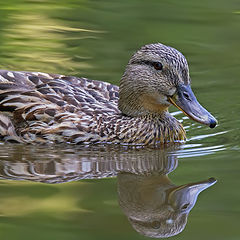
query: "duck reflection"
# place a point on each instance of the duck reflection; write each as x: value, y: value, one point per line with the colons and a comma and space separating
x: 154, y: 205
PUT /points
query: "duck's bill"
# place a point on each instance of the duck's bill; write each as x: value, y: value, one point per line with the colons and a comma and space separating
x: 186, y: 101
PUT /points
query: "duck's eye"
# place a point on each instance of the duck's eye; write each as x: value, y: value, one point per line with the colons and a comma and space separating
x: 157, y: 65
x: 185, y: 206
x: 156, y: 225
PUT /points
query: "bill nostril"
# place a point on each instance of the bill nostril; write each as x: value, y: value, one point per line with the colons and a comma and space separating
x: 185, y: 206
x: 186, y: 95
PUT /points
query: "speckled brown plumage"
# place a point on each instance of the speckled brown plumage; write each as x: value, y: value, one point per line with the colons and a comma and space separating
x: 54, y: 108
x: 50, y: 108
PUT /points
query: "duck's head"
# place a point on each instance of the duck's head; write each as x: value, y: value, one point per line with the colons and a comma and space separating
x: 156, y: 77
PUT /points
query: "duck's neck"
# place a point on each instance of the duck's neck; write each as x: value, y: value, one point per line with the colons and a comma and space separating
x: 137, y: 100
x: 150, y: 129
x: 152, y: 122
x: 140, y: 105
x: 165, y: 128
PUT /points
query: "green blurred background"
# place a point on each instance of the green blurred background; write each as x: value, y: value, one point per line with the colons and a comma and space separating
x: 95, y: 39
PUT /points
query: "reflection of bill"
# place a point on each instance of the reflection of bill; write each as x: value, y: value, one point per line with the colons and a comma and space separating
x: 153, y: 204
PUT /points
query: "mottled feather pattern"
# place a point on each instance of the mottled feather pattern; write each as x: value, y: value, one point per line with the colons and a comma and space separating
x: 48, y: 108
x: 7, y: 130
x: 175, y: 58
x: 171, y: 54
x: 38, y: 107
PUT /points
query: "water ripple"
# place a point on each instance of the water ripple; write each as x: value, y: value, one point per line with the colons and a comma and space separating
x: 200, y: 137
x: 196, y: 150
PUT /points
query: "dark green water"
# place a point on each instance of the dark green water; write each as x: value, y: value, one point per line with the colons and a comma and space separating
x: 95, y: 39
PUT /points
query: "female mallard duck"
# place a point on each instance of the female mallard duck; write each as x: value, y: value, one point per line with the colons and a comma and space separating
x: 40, y: 107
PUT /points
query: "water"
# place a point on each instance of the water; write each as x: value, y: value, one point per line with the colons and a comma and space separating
x: 95, y: 39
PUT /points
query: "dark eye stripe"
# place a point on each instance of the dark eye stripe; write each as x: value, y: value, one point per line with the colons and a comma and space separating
x: 142, y: 62
x: 150, y: 63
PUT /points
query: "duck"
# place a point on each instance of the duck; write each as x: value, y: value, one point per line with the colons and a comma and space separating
x: 38, y: 107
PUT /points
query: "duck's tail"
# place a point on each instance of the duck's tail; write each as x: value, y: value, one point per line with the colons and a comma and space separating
x: 7, y: 130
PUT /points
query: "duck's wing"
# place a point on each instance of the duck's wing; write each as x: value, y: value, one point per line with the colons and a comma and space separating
x: 41, y: 97
x: 21, y: 90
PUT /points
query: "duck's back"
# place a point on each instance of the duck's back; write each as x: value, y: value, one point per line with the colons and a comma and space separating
x: 45, y: 107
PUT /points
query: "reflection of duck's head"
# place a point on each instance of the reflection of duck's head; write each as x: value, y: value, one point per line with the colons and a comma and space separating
x: 156, y: 207
x: 156, y: 77
x: 153, y: 204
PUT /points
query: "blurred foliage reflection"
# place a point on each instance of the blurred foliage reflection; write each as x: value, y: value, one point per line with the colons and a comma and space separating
x: 94, y: 39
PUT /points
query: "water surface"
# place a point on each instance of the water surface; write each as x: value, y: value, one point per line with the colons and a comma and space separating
x: 95, y: 39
